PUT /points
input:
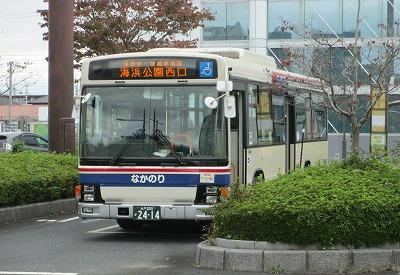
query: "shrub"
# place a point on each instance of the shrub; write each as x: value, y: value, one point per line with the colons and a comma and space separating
x: 18, y: 147
x: 356, y: 202
x: 30, y: 177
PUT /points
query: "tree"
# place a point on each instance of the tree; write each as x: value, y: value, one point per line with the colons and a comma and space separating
x: 118, y: 26
x: 347, y: 67
x: 21, y: 78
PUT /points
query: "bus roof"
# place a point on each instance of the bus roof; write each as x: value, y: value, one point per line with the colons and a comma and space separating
x: 243, y: 64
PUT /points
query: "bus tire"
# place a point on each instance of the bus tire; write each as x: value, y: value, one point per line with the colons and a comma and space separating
x: 129, y: 224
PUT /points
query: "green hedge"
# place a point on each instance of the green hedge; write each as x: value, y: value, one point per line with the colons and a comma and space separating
x: 352, y: 203
x: 30, y: 177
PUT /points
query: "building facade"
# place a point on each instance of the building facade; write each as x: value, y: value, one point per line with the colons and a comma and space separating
x: 272, y: 26
x: 28, y: 113
x: 257, y: 24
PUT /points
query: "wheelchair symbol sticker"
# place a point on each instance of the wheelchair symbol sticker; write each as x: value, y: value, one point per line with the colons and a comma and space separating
x: 206, y: 69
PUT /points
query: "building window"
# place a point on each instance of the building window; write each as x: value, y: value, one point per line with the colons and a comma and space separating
x: 216, y: 29
x: 237, y: 21
x: 285, y: 58
x: 282, y: 11
x: 231, y: 22
x: 373, y: 14
x: 323, y: 16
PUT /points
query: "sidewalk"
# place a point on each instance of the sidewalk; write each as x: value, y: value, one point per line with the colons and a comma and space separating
x: 253, y: 256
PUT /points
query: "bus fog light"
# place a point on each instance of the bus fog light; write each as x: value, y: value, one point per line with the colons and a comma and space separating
x: 88, y: 197
x: 87, y: 210
x: 88, y: 188
x: 211, y: 199
x: 212, y: 190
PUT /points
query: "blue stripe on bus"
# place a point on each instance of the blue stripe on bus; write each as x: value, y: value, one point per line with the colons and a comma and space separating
x: 160, y: 180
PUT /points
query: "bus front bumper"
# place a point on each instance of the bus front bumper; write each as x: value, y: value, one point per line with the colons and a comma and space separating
x: 168, y: 212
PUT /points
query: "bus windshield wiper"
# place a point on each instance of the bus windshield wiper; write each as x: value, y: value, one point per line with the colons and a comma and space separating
x: 160, y: 135
x: 137, y: 134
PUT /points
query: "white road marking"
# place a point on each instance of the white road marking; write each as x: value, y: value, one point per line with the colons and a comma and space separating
x: 70, y: 219
x: 41, y: 220
x: 101, y: 230
x: 90, y: 220
x: 51, y: 220
x: 35, y: 273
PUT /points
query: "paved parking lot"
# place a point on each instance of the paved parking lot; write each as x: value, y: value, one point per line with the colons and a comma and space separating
x: 69, y: 245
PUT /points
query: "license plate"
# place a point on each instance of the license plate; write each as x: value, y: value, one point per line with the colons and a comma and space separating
x: 146, y: 212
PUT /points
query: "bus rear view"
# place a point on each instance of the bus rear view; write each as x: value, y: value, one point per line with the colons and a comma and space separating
x: 150, y: 148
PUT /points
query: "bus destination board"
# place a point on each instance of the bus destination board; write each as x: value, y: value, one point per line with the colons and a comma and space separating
x: 153, y: 68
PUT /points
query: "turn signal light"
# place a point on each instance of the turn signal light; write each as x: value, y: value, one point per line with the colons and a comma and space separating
x: 224, y: 192
x: 77, y: 192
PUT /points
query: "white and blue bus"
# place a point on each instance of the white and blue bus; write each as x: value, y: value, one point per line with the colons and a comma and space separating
x: 163, y: 133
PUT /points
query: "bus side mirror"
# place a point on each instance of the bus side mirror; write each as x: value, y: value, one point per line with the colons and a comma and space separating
x: 230, y: 106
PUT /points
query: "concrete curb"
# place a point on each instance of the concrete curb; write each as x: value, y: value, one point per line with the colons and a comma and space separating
x: 36, y: 210
x: 239, y: 255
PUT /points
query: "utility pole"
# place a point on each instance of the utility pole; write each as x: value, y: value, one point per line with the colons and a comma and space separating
x: 61, y: 79
x: 10, y: 89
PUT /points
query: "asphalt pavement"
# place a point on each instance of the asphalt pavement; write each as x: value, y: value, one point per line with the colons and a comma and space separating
x: 69, y: 245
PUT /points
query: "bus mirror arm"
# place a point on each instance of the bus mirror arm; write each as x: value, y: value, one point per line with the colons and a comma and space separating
x: 229, y: 106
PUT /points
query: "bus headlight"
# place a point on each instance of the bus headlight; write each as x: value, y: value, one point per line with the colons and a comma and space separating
x: 88, y: 188
x: 88, y: 197
x: 212, y: 190
x: 211, y: 199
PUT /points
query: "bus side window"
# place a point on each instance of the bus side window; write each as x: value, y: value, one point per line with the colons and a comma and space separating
x: 279, y: 113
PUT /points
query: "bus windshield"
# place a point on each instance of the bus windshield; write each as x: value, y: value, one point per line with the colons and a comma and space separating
x: 146, y: 119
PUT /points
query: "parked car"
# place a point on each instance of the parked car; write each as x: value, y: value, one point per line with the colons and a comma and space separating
x: 31, y: 141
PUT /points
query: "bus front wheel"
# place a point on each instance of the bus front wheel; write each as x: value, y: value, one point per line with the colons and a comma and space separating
x: 129, y: 224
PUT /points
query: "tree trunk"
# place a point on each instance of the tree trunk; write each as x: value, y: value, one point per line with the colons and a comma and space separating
x: 355, y: 141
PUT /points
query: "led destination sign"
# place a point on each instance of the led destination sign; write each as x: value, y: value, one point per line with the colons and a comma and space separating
x: 153, y: 68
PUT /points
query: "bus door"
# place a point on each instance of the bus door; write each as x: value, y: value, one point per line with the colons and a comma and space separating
x: 236, y: 134
x: 291, y: 134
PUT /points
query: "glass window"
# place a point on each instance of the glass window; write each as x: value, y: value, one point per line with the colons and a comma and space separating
x: 393, y: 16
x: 394, y: 114
x: 231, y: 22
x: 341, y: 123
x: 29, y: 140
x: 153, y: 120
x: 373, y: 14
x: 291, y: 59
x: 303, y: 117
x: 373, y: 60
x: 260, y: 126
x: 319, y: 117
x: 215, y: 29
x: 264, y: 118
x: 285, y: 10
x: 396, y: 70
x: 331, y: 13
x: 252, y: 100
x: 279, y: 112
x: 237, y: 23
x: 396, y: 17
